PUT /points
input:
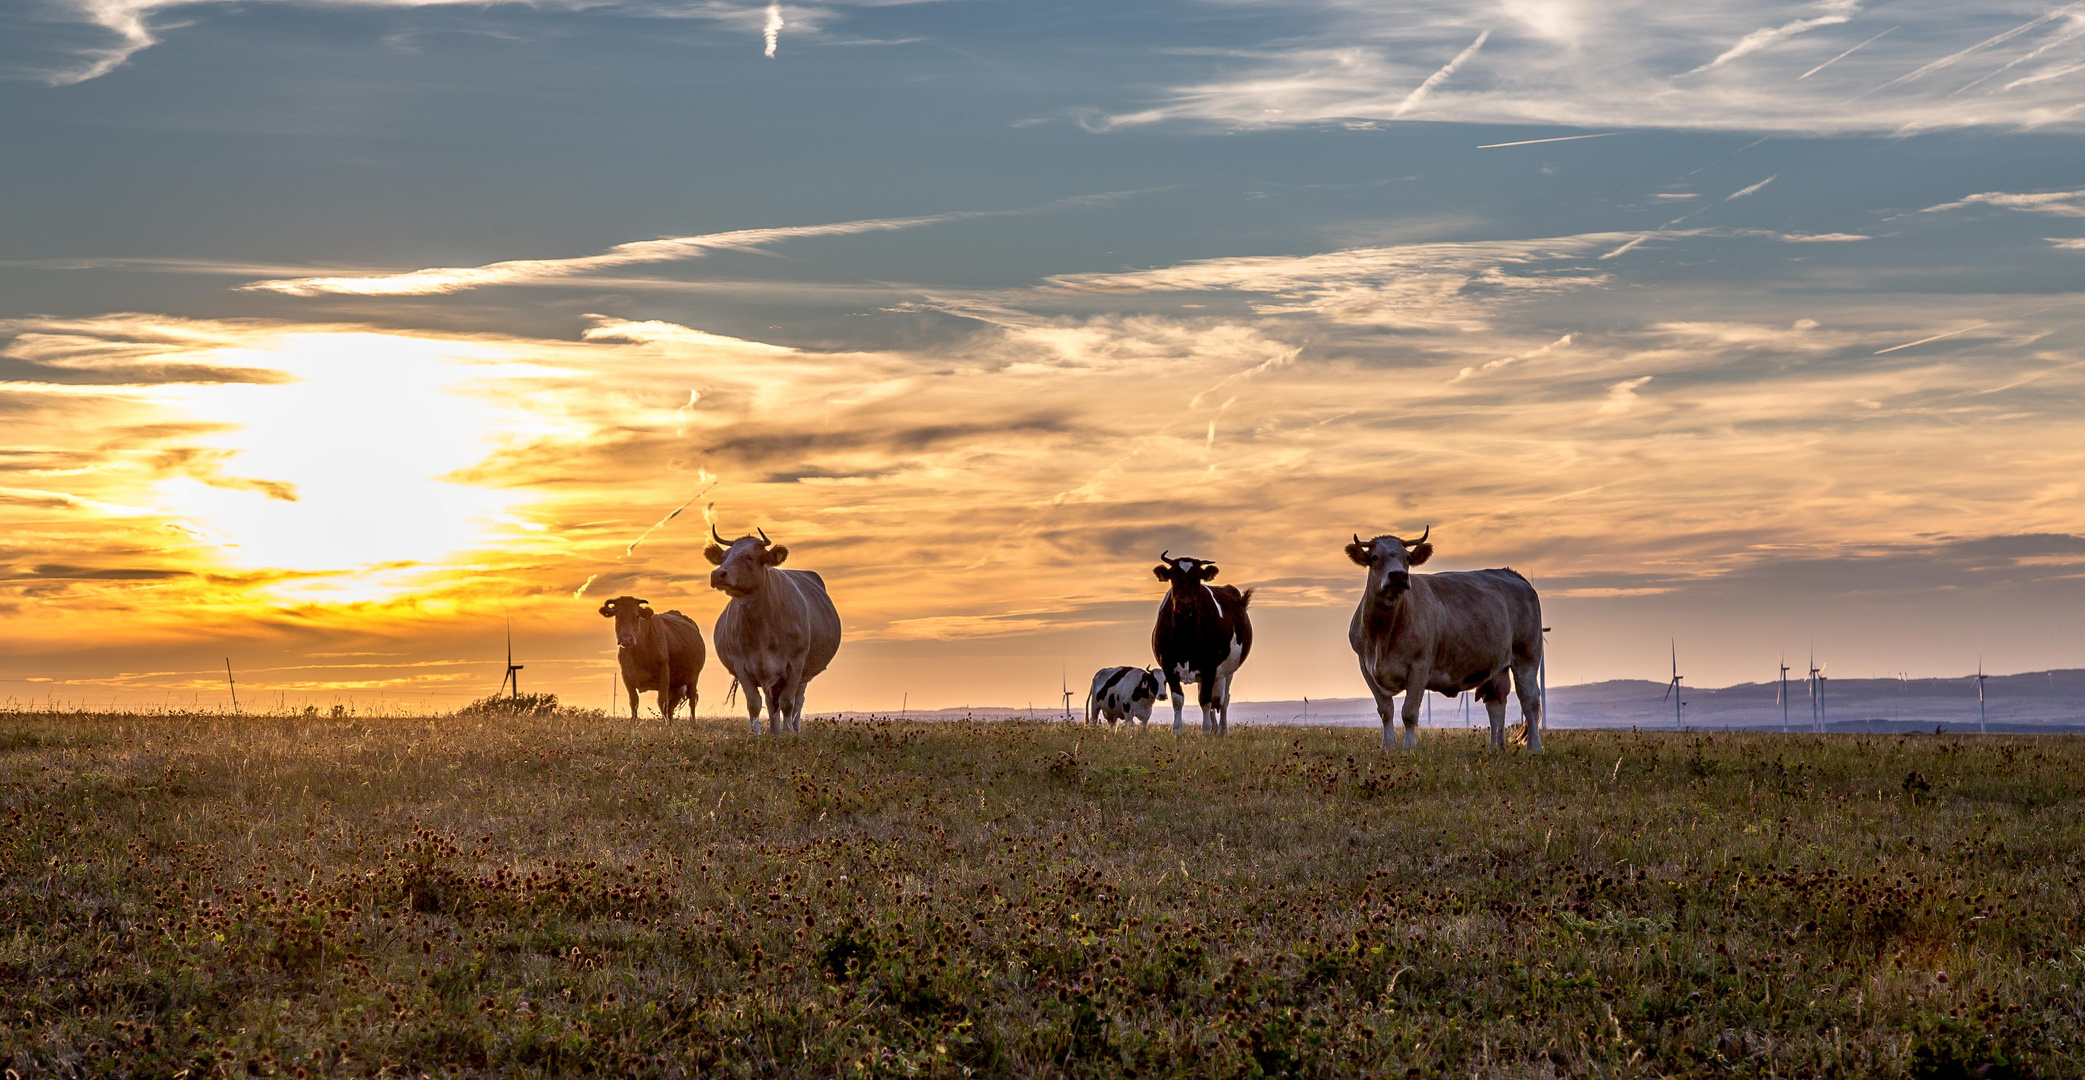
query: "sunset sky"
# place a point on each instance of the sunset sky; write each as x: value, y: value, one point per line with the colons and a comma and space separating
x: 335, y: 334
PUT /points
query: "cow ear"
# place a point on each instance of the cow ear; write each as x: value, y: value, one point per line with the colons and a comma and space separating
x: 608, y: 609
x: 1420, y: 554
x: 1161, y: 573
x: 1207, y: 572
x: 1358, y: 552
x: 714, y: 554
x: 776, y: 554
x: 645, y: 611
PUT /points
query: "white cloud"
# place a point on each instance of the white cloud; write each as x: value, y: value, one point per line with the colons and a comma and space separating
x: 133, y: 22
x: 1800, y: 68
x: 2069, y: 204
x: 1768, y: 36
x: 452, y: 279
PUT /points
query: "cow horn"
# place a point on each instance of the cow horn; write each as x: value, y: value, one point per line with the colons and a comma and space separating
x: 1357, y: 539
x: 713, y: 536
x: 763, y: 536
x: 1422, y: 538
x: 1166, y: 555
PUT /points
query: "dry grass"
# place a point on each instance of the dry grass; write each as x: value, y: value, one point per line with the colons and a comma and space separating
x: 555, y: 895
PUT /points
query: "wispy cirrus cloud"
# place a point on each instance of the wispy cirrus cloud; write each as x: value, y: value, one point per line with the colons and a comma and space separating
x: 441, y: 280
x: 1768, y: 36
x: 137, y: 25
x: 2070, y: 204
x: 1811, y: 68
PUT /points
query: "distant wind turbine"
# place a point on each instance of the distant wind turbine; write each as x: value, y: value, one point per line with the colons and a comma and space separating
x: 1816, y: 694
x: 1980, y: 677
x: 513, y: 669
x: 1064, y: 684
x: 1781, y: 697
x: 1672, y: 689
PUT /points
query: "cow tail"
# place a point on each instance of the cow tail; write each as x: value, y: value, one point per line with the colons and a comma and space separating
x: 1089, y: 706
x: 731, y: 695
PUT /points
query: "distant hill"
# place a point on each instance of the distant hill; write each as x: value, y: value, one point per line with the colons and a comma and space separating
x: 2035, y: 701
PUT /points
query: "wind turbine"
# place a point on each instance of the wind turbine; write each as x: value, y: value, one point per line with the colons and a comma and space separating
x: 1823, y: 722
x: 1816, y: 695
x: 1064, y: 684
x: 1781, y: 697
x: 1980, y: 677
x: 513, y: 669
x: 1672, y: 689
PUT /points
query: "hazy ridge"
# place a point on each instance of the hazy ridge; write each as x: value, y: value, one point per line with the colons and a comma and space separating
x: 2031, y: 701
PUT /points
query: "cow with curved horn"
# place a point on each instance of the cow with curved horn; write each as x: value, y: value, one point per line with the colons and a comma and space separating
x: 1475, y: 630
x: 778, y: 631
x: 1203, y: 634
x: 656, y: 652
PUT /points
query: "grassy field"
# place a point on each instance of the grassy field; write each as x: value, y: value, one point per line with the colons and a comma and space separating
x: 204, y: 895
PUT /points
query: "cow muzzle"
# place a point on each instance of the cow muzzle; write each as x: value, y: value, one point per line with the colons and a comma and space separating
x: 721, y: 582
x: 1397, y: 582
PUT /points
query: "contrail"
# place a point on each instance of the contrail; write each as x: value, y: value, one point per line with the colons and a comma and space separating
x: 1842, y: 56
x: 676, y: 513
x: 1966, y: 329
x: 1980, y: 46
x: 1441, y: 76
x: 1627, y: 246
x: 773, y: 30
x: 1560, y: 138
x: 588, y: 584
x: 1768, y: 36
x: 2031, y: 54
x: 1744, y: 191
x: 452, y: 279
x: 1936, y: 337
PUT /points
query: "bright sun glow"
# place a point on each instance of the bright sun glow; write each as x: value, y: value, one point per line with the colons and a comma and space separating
x: 363, y: 438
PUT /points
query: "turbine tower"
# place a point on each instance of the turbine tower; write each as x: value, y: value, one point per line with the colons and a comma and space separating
x: 1064, y: 684
x: 1781, y: 697
x: 1980, y: 677
x: 1816, y: 698
x: 1672, y: 689
x: 513, y: 669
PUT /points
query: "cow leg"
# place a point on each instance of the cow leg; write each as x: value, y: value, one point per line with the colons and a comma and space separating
x: 633, y: 699
x: 1179, y: 701
x: 669, y: 700
x: 1527, y: 682
x: 752, y: 693
x: 777, y: 707
x: 1205, y: 696
x: 1414, y: 699
x: 1493, y: 695
x: 693, y: 698
x: 1386, y: 708
x: 796, y: 708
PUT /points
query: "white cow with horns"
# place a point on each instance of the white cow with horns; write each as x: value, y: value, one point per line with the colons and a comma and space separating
x: 1475, y: 630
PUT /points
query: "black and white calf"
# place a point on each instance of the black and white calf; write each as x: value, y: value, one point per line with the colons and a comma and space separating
x: 1202, y: 635
x: 1122, y: 694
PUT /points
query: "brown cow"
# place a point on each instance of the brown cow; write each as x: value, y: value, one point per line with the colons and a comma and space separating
x: 779, y: 630
x: 662, y: 653
x: 1477, y: 630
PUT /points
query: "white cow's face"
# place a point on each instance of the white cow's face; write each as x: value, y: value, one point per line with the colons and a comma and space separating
x: 742, y: 567
x: 1389, y: 561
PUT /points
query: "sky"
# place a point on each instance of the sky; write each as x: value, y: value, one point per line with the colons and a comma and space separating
x: 340, y: 339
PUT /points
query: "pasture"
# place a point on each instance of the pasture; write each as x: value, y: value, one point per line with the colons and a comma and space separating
x: 202, y: 895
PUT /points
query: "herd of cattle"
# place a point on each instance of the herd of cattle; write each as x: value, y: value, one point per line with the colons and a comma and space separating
x: 1477, y: 630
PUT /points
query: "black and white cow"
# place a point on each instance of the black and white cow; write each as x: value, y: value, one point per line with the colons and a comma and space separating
x: 1202, y: 635
x: 1122, y: 694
